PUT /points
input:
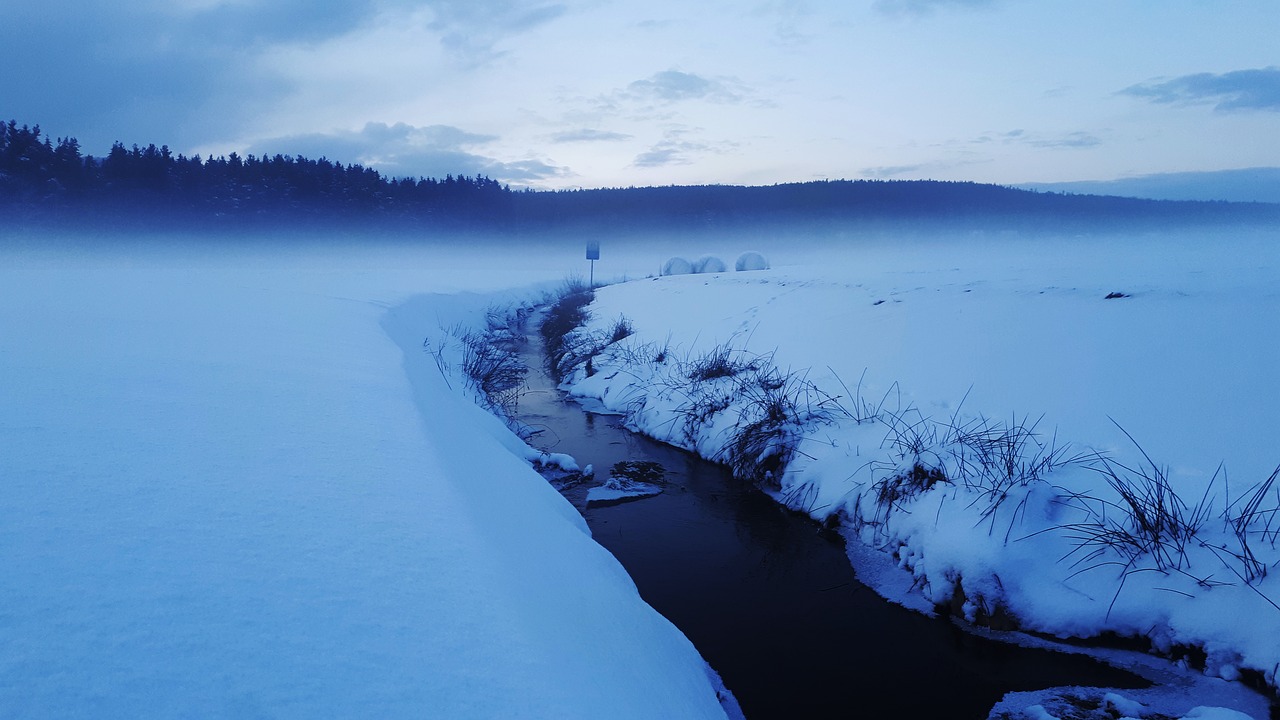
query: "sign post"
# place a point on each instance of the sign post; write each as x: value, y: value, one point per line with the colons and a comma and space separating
x: 593, y: 254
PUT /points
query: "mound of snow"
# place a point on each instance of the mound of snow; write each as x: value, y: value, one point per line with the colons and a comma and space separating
x: 751, y: 260
x: 677, y: 266
x: 607, y: 494
x: 709, y: 264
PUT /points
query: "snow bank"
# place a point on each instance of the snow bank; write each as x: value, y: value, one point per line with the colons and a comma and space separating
x: 889, y: 380
x: 751, y: 260
x: 677, y: 266
x: 235, y: 485
x: 1095, y: 704
x: 709, y: 264
x: 601, y: 494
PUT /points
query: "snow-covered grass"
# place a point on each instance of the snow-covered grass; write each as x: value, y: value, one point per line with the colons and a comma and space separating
x: 1029, y: 449
x: 487, y: 356
x: 1099, y: 704
x: 234, y: 484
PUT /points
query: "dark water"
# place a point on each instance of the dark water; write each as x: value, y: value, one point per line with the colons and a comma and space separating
x: 774, y: 605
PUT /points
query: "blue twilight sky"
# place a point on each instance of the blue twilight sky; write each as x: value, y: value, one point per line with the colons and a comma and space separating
x: 590, y: 93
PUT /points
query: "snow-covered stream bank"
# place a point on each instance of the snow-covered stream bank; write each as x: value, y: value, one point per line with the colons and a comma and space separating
x: 839, y: 372
x: 770, y: 602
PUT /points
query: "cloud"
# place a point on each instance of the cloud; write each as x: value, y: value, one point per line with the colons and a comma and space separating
x: 926, y: 7
x: 788, y: 18
x: 373, y: 140
x: 525, y: 172
x: 662, y: 96
x: 671, y: 86
x: 163, y: 71
x: 471, y: 29
x: 403, y: 150
x: 1257, y: 89
x: 958, y: 153
x: 491, y: 17
x: 190, y: 73
x: 884, y: 172
x: 674, y: 149
x: 660, y: 156
x: 1003, y: 137
x: 250, y: 22
x: 930, y: 169
x: 588, y: 135
x: 1072, y: 140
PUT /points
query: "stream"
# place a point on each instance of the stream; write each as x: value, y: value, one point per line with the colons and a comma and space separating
x: 772, y: 603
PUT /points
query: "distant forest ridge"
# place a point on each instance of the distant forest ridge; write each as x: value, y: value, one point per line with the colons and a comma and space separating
x: 48, y: 182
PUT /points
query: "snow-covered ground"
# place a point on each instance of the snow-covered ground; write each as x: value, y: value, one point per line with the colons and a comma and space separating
x: 919, y: 353
x: 233, y: 485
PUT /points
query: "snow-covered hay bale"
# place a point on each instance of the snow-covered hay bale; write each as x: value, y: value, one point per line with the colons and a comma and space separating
x: 751, y: 260
x: 709, y: 264
x: 677, y: 266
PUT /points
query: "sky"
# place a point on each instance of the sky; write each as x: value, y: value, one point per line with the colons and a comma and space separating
x: 612, y: 93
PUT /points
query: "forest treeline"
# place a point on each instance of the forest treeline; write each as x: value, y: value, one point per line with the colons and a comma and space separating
x: 40, y: 177
x: 52, y: 182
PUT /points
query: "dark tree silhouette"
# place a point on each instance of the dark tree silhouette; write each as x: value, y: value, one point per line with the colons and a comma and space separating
x: 44, y: 182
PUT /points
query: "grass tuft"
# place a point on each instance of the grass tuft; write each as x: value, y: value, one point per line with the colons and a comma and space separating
x: 1150, y: 528
x: 567, y: 313
x: 621, y: 329
x: 489, y: 358
x: 721, y: 361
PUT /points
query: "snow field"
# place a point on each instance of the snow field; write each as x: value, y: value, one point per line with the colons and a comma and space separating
x: 896, y: 360
x: 234, y: 485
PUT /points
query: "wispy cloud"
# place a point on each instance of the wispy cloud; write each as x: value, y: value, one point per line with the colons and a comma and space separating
x: 1077, y: 139
x: 1256, y: 89
x: 1072, y: 140
x: 243, y: 22
x: 472, y: 29
x: 402, y: 150
x: 885, y: 172
x: 525, y: 172
x: 661, y: 155
x: 1007, y: 137
x: 588, y: 135
x: 676, y: 148
x: 789, y: 18
x: 926, y: 7
x: 664, y: 96
x: 674, y: 86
